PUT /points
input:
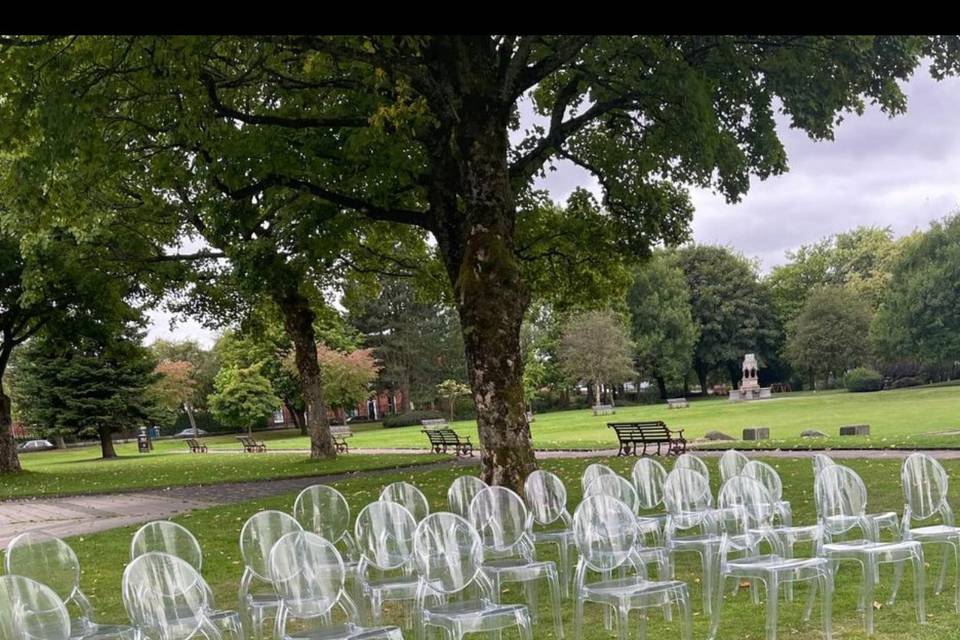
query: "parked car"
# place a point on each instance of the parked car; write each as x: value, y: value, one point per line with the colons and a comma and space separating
x: 188, y: 433
x: 36, y: 445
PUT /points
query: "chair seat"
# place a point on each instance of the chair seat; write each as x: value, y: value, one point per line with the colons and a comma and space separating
x: 101, y: 631
x: 346, y: 632
x: 785, y: 568
x: 935, y: 532
x: 508, y: 569
x: 397, y: 587
x: 476, y: 615
x: 880, y: 551
x: 638, y: 591
x: 560, y: 535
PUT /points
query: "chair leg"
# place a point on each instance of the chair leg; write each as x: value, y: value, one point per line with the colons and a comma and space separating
x: 578, y: 618
x: 686, y: 616
x: 623, y: 621
x: 773, y: 601
x: 811, y: 599
x: 897, y: 579
x: 943, y: 568
x: 919, y: 587
x: 870, y: 569
x: 717, y: 608
x: 553, y: 580
x: 826, y: 603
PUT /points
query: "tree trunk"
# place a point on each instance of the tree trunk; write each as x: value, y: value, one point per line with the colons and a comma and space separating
x: 662, y: 386
x: 61, y: 443
x: 405, y: 394
x: 9, y: 461
x: 298, y: 319
x: 298, y: 420
x: 106, y: 443
x: 188, y: 409
x: 702, y: 379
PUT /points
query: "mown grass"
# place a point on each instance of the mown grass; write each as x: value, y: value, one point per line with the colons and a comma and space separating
x: 104, y: 555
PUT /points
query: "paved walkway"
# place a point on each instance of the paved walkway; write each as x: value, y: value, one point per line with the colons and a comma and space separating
x: 88, y: 514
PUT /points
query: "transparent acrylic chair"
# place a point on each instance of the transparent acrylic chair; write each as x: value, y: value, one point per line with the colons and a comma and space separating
x: 841, y: 499
x: 409, y: 496
x: 731, y: 464
x: 648, y: 477
x: 769, y: 478
x: 461, y: 493
x: 30, y: 610
x: 170, y: 537
x: 308, y: 575
x: 50, y: 561
x: 257, y: 596
x: 820, y: 462
x: 877, y: 522
x: 925, y: 500
x: 606, y: 536
x: 623, y: 490
x: 323, y: 510
x: 546, y: 498
x: 773, y: 569
x: 168, y: 599
x: 384, y: 533
x: 453, y: 593
x: 691, y: 523
x: 500, y: 517
x: 594, y: 471
x: 690, y: 461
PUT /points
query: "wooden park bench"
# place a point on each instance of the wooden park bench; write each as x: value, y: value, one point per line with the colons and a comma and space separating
x: 442, y: 439
x: 603, y: 409
x: 340, y: 433
x: 677, y: 403
x: 252, y: 446
x: 196, y: 446
x: 633, y: 435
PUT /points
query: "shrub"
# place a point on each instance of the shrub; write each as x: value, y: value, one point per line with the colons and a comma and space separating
x: 908, y: 381
x: 863, y: 379
x: 410, y: 418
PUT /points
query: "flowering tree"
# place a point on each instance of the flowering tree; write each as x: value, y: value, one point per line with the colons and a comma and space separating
x: 346, y: 376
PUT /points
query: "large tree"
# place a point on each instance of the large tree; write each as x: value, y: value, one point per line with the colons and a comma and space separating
x: 596, y: 348
x: 731, y: 309
x: 416, y: 130
x: 242, y: 397
x: 663, y: 328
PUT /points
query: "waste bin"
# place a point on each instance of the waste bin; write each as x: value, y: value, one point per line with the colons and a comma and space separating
x: 143, y: 444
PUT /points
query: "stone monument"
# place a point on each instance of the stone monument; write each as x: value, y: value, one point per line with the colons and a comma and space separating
x: 750, y: 388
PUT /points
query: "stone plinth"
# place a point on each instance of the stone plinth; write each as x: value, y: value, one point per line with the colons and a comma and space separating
x: 756, y: 433
x: 855, y: 430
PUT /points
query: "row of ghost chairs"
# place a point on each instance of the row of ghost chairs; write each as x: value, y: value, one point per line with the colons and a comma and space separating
x: 447, y: 569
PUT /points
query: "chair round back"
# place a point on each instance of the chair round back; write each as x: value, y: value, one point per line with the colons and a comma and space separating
x: 686, y: 491
x: 384, y: 533
x: 168, y: 537
x: 820, y: 462
x: 164, y: 593
x: 648, y: 477
x: 690, y: 461
x: 731, y: 464
x: 748, y: 495
x: 260, y: 532
x: 47, y: 559
x: 546, y: 497
x: 323, y: 510
x: 29, y: 609
x: 767, y: 476
x: 839, y: 491
x: 500, y: 517
x: 307, y: 573
x: 615, y: 487
x: 605, y: 532
x: 409, y: 496
x: 448, y: 552
x: 925, y: 485
x: 461, y: 493
x: 594, y: 471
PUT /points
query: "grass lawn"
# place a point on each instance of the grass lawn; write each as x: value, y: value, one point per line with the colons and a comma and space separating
x: 79, y: 471
x: 902, y: 417
x: 104, y: 555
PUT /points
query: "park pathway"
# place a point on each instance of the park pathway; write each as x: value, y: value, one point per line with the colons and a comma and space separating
x: 76, y: 515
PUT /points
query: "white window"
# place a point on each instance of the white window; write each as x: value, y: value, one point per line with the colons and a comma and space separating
x: 278, y: 417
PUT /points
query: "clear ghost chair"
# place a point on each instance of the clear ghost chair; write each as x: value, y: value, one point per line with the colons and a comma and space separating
x: 384, y: 533
x: 546, y: 498
x: 622, y: 489
x: 594, y: 471
x: 500, y: 517
x: 30, y: 610
x: 257, y: 596
x: 606, y: 536
x: 856, y: 492
x: 308, y: 575
x: 168, y: 599
x: 461, y: 493
x: 731, y: 464
x: 690, y: 461
x: 453, y: 594
x: 406, y: 494
x: 50, y: 561
x: 691, y: 523
x: 769, y: 478
x: 750, y: 502
x: 648, y: 477
x: 170, y: 537
x: 820, y: 462
x: 323, y: 510
x: 841, y: 499
x: 925, y: 496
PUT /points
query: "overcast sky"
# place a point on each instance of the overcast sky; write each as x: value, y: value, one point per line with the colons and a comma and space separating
x: 901, y: 172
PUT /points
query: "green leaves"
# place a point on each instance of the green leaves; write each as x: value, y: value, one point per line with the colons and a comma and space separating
x: 242, y: 397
